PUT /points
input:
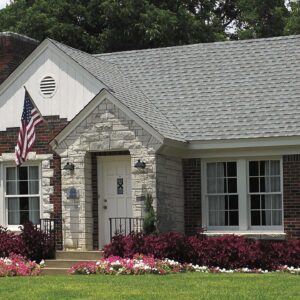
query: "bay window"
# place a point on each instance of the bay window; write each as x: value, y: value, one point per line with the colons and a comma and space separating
x: 22, y: 195
x: 243, y: 195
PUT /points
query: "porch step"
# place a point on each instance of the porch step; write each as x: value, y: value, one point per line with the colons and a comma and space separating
x: 66, y: 259
x: 76, y: 255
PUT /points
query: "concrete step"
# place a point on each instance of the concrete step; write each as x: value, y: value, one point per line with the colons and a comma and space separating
x: 79, y: 255
x: 55, y: 271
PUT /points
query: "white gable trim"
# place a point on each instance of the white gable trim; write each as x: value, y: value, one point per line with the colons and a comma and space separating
x: 46, y: 44
x: 91, y: 106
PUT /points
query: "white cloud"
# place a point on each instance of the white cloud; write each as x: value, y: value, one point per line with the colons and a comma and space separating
x: 3, y: 3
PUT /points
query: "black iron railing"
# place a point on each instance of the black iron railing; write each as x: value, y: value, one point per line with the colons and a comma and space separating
x: 50, y: 226
x: 125, y: 226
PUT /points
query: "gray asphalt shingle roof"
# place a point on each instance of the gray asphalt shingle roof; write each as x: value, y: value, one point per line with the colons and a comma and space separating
x: 226, y: 90
x: 124, y: 90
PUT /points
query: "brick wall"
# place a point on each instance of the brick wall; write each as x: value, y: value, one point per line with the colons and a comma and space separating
x: 13, y: 50
x: 44, y: 134
x: 291, y: 195
x: 192, y: 195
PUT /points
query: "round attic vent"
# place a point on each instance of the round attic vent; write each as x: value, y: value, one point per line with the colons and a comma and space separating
x: 48, y: 86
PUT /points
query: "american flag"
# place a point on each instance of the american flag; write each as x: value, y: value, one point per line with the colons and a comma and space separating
x: 31, y: 117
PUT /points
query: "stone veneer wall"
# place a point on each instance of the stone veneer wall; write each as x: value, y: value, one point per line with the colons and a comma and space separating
x: 192, y: 195
x: 291, y: 195
x: 50, y: 162
x: 106, y: 129
x: 170, y: 206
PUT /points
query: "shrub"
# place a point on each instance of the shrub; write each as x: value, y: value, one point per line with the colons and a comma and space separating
x: 31, y: 243
x: 228, y: 251
x: 149, y: 225
x: 10, y: 243
x: 38, y: 244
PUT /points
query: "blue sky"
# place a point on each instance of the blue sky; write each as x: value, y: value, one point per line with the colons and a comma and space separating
x: 3, y: 3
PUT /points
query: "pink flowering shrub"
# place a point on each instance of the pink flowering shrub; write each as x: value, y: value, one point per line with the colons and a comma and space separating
x: 140, y: 265
x: 16, y: 265
x: 227, y: 251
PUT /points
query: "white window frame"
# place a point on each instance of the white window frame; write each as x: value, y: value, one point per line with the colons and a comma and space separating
x: 243, y: 196
x: 4, y: 202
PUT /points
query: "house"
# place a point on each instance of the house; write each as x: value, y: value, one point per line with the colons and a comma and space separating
x: 211, y: 131
x: 14, y: 48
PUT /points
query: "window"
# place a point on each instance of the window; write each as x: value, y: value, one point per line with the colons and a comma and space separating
x: 222, y: 194
x: 265, y: 193
x: 22, y: 196
x: 242, y: 195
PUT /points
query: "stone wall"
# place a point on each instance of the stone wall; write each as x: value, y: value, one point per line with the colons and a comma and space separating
x: 291, y: 195
x: 105, y: 129
x: 170, y: 194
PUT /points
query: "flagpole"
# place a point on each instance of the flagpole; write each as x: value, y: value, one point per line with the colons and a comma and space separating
x: 46, y: 122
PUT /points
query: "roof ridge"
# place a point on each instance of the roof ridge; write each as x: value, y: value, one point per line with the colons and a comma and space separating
x: 19, y: 36
x: 227, y: 42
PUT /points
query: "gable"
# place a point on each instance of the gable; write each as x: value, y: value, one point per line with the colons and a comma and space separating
x: 75, y: 86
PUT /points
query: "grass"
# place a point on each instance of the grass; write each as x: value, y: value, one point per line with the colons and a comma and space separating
x: 175, y: 286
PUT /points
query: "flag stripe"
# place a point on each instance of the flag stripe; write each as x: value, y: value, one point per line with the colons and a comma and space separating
x: 26, y: 137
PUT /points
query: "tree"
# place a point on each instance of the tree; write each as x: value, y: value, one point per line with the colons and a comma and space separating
x: 149, y: 225
x: 260, y: 19
x: 293, y: 22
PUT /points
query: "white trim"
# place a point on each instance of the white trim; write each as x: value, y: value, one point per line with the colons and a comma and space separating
x: 91, y: 106
x: 245, y: 143
x: 4, y: 214
x: 243, y: 194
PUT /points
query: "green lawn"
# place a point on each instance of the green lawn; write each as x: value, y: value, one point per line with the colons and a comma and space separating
x: 177, y: 286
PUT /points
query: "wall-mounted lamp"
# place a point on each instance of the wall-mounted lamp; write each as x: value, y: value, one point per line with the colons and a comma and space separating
x: 140, y: 164
x: 69, y: 166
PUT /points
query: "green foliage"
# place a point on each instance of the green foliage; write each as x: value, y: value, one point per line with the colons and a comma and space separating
x: 293, y: 22
x: 149, y: 226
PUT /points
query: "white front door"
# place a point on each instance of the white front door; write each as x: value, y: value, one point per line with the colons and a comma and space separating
x: 114, y: 189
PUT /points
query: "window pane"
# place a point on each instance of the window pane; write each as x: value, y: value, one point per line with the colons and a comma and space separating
x: 277, y: 217
x: 264, y: 184
x: 24, y: 216
x: 22, y: 173
x: 211, y: 170
x: 275, y: 184
x: 254, y: 185
x: 34, y: 217
x: 211, y: 185
x: 267, y: 217
x: 33, y: 187
x: 277, y: 203
x: 274, y: 167
x: 221, y: 167
x: 33, y: 173
x: 253, y: 168
x: 34, y: 203
x: 221, y: 185
x: 11, y: 187
x: 263, y: 168
x: 11, y: 174
x: 255, y: 202
x: 22, y: 188
x: 213, y: 218
x: 231, y: 169
x: 13, y: 218
x: 233, y: 218
x: 233, y: 202
x: 24, y: 203
x: 232, y: 185
x: 267, y: 202
x: 255, y: 218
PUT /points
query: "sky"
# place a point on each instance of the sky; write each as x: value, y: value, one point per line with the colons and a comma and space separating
x: 3, y: 3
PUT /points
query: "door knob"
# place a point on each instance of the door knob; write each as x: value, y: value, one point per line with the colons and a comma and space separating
x: 104, y: 207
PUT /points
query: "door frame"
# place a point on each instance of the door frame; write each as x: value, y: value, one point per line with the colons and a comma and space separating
x: 100, y: 185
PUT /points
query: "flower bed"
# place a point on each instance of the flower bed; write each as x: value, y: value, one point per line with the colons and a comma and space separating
x: 140, y: 265
x: 16, y: 265
x: 228, y: 251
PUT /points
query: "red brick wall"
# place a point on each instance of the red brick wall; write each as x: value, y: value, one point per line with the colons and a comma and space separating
x: 44, y: 134
x: 291, y: 195
x: 192, y: 195
x: 13, y: 50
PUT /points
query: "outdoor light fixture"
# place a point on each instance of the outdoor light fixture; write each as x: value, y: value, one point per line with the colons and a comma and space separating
x: 69, y: 166
x: 140, y: 164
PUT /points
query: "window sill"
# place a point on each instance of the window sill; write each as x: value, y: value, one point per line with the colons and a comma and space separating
x: 261, y: 235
